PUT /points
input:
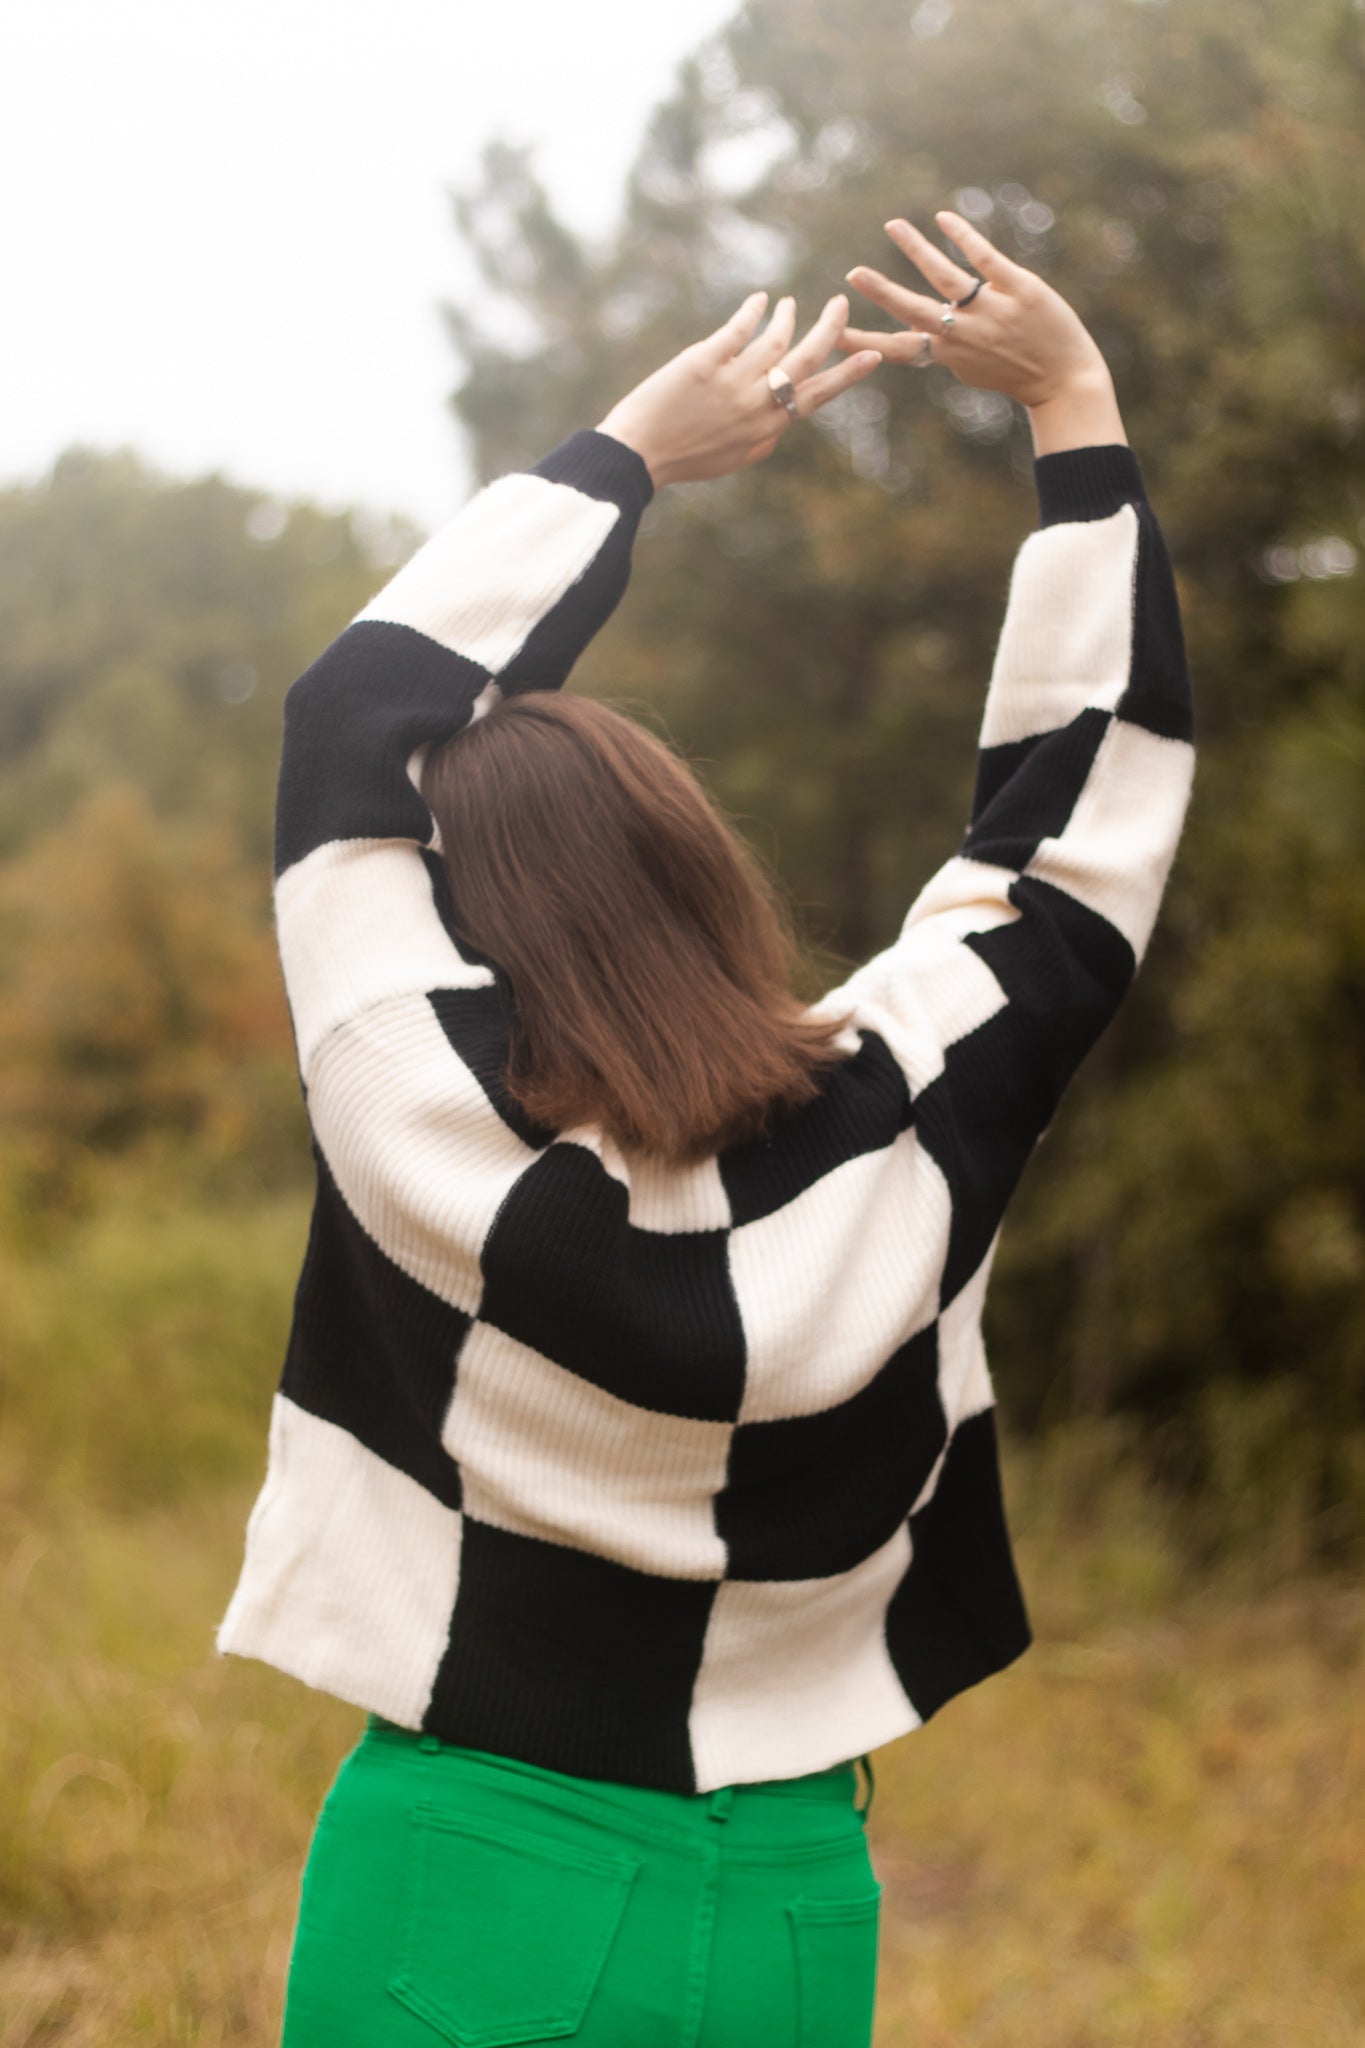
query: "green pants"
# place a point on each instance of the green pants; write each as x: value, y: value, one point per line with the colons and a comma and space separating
x: 451, y: 1895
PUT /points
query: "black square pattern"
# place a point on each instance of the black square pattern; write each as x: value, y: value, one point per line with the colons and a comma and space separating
x: 371, y: 1350
x: 571, y: 1661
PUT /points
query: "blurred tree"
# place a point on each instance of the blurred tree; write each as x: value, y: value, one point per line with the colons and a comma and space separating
x: 148, y: 630
x: 816, y: 633
x: 140, y: 999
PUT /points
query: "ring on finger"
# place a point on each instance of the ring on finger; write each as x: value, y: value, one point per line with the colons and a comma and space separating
x: 947, y: 318
x: 926, y: 354
x: 966, y: 300
x: 783, y: 390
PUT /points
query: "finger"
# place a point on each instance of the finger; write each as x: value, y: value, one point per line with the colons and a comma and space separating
x: 740, y: 328
x: 895, y: 348
x: 914, y: 308
x: 945, y: 275
x: 775, y: 339
x: 826, y: 384
x: 989, y: 260
x: 815, y: 345
x: 761, y: 453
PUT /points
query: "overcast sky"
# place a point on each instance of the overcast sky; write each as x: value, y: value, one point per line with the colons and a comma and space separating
x: 227, y: 229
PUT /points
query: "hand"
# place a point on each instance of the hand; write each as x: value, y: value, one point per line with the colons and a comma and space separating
x: 711, y: 410
x: 1018, y: 335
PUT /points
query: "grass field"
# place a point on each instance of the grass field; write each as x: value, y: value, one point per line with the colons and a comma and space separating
x: 1148, y: 1833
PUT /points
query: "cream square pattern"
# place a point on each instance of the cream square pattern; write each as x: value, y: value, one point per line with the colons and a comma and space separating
x: 1066, y: 643
x: 544, y: 1453
x: 1134, y: 800
x: 350, y: 1572
x: 381, y: 886
x: 830, y: 1285
x: 483, y: 580
x: 790, y: 1670
x: 418, y: 1151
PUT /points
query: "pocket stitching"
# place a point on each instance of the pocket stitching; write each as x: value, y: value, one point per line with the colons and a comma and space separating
x: 831, y: 1911
x: 858, y: 1915
x: 620, y: 1870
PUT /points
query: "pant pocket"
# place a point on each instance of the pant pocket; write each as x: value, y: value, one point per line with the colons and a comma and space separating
x: 504, y: 1931
x: 836, y: 1969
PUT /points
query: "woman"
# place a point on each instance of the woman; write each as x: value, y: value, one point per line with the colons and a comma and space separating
x: 633, y: 1462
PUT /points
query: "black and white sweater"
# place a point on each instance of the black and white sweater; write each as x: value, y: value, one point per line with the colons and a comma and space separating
x: 679, y: 1477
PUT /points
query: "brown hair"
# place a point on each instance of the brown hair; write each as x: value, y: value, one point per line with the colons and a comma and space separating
x: 647, y: 956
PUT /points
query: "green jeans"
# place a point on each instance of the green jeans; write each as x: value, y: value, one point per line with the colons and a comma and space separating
x: 451, y: 1895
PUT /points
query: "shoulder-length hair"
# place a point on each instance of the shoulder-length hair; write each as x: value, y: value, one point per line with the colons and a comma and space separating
x: 647, y: 955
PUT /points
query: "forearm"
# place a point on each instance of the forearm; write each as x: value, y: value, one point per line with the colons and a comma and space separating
x: 501, y: 599
x: 508, y: 593
x: 522, y: 577
x: 1014, y: 957
x: 1091, y: 635
x: 1016, y: 954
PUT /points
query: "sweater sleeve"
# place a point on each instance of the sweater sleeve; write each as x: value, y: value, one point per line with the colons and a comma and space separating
x: 503, y: 598
x: 1017, y: 953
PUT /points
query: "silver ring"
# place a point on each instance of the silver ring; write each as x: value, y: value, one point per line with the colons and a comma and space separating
x: 926, y: 354
x: 783, y: 390
x: 967, y: 300
x: 946, y: 318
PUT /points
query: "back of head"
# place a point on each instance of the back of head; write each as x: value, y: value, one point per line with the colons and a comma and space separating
x: 647, y: 957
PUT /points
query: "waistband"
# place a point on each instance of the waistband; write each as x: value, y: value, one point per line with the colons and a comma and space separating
x: 645, y: 1805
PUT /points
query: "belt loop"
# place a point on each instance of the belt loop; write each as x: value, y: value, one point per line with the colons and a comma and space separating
x: 864, y: 1809
x: 431, y: 1743
x: 718, y: 1806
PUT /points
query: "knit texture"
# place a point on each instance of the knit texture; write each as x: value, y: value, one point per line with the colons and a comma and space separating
x: 681, y: 1477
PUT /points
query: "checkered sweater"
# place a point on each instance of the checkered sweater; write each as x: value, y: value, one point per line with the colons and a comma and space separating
x: 679, y: 1476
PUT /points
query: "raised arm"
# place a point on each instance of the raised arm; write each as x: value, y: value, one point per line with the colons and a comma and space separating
x: 1016, y: 954
x: 501, y: 599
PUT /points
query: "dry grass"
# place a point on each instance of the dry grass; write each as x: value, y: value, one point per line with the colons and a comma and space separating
x: 1150, y: 1837
x: 1149, y: 1831
x: 158, y: 1799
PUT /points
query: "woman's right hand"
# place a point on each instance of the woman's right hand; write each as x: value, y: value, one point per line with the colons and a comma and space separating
x: 1018, y: 335
x: 710, y: 410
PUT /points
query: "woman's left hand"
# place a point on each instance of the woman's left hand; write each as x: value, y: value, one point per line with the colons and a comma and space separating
x: 711, y: 410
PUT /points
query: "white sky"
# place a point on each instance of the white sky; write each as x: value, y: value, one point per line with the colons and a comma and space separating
x: 227, y: 225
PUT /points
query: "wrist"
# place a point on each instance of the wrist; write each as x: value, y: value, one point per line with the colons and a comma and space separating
x: 619, y: 428
x: 1081, y: 412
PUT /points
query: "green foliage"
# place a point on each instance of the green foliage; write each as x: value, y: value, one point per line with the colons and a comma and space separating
x: 140, y: 1344
x: 816, y: 633
x: 148, y: 631
x: 140, y: 999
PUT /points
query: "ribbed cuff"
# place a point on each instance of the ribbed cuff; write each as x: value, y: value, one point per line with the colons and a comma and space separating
x: 600, y: 467
x: 1086, y: 483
